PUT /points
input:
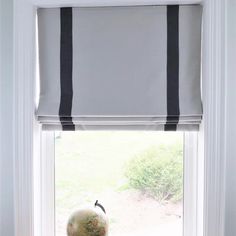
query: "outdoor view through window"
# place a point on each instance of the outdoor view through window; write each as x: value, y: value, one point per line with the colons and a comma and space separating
x: 136, y: 175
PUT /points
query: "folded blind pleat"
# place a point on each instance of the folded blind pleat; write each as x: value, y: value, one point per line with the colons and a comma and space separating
x: 134, y: 68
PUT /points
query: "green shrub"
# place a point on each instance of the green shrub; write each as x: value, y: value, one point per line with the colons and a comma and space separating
x: 158, y: 172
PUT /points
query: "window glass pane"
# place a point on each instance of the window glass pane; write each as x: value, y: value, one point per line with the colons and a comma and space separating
x: 137, y: 176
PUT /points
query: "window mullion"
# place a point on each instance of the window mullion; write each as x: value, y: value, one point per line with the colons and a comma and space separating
x: 192, y: 188
x: 48, y: 184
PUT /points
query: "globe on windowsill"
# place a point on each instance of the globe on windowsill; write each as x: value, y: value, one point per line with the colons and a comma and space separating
x: 90, y: 221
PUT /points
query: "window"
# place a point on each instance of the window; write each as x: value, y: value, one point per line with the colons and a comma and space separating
x: 69, y: 186
x: 101, y: 165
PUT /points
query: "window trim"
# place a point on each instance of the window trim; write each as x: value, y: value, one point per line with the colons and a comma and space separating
x: 27, y: 133
x: 86, y: 3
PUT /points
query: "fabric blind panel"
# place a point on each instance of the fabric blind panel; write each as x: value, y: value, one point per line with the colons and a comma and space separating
x: 135, y: 67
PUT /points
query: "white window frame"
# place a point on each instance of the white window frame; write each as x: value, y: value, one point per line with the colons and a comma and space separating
x: 28, y: 137
x: 193, y: 187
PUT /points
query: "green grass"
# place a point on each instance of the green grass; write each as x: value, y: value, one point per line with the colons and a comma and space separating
x: 90, y: 162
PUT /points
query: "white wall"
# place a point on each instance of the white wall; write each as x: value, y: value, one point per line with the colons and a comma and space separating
x: 230, y: 220
x: 6, y: 129
x: 6, y: 102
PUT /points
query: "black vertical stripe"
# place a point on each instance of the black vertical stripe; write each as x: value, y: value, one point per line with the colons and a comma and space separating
x: 66, y: 63
x: 172, y: 67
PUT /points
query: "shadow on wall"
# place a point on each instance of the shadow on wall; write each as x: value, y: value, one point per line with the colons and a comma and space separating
x: 6, y: 114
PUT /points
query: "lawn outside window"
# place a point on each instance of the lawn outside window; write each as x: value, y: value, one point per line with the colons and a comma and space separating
x: 78, y: 168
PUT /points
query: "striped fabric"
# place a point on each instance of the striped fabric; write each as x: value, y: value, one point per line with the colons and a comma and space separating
x: 134, y: 67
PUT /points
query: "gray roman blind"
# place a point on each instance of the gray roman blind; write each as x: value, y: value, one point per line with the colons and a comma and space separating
x: 135, y: 67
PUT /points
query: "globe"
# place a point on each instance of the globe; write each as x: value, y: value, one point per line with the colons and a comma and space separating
x: 91, y: 221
